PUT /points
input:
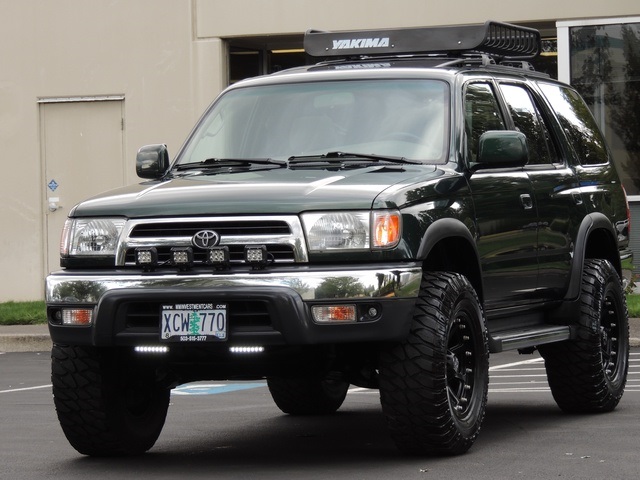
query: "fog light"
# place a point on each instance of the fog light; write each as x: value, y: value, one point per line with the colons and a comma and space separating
x: 334, y: 313
x: 256, y: 255
x: 218, y: 256
x: 146, y: 258
x: 182, y: 257
x: 77, y: 316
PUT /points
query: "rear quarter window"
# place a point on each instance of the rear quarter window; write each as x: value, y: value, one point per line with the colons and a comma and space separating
x: 578, y: 124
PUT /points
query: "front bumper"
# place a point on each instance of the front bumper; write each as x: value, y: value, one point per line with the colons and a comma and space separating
x: 266, y: 307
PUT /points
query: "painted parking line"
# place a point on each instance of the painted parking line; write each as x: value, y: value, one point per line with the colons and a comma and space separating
x: 187, y: 389
x: 516, y: 364
x: 24, y: 389
x: 214, y: 388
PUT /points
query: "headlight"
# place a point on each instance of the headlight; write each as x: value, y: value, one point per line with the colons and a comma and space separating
x: 90, y: 236
x: 352, y: 230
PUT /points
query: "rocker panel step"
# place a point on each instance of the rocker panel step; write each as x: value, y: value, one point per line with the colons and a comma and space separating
x: 529, y: 337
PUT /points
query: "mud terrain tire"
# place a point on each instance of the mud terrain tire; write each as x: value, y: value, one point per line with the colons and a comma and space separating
x: 103, y: 408
x: 588, y: 374
x: 433, y: 385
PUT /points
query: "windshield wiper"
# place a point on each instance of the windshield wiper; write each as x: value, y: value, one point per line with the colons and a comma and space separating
x: 230, y: 162
x: 343, y: 157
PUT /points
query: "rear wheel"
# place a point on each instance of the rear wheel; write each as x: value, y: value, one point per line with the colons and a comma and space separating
x: 433, y: 385
x: 589, y: 373
x: 106, y: 406
x: 308, y: 396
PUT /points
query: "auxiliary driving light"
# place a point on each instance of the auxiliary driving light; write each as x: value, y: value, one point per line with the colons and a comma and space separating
x: 182, y: 257
x: 334, y: 313
x: 256, y: 255
x: 77, y: 316
x: 147, y: 258
x: 218, y: 256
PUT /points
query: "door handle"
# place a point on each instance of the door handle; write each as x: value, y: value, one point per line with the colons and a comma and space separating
x: 526, y: 201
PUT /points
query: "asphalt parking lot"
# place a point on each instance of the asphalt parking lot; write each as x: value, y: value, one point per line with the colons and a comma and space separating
x: 233, y: 430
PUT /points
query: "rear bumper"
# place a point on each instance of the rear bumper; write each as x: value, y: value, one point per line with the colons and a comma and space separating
x: 269, y: 308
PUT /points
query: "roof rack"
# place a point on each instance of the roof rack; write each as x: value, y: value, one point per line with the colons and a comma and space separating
x: 492, y: 38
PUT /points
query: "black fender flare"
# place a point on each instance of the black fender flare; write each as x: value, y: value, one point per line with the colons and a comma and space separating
x: 447, y: 228
x: 591, y: 222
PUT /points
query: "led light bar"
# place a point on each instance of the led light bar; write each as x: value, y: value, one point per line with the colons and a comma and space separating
x: 151, y: 349
x: 247, y: 349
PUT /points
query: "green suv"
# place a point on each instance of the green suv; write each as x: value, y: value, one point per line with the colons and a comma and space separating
x: 383, y: 218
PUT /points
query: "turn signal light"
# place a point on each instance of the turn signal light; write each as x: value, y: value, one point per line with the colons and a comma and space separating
x: 386, y: 229
x: 334, y: 313
x: 77, y: 316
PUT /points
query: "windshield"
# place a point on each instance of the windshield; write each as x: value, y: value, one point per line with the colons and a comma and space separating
x: 399, y: 118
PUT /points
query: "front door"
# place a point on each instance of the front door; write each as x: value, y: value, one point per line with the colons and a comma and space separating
x: 505, y: 209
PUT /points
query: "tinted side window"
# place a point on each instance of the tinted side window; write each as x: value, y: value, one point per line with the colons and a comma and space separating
x: 578, y: 124
x: 481, y: 114
x: 528, y: 120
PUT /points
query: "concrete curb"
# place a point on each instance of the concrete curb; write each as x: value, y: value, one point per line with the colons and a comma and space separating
x: 25, y: 338
x: 25, y: 343
x: 35, y: 338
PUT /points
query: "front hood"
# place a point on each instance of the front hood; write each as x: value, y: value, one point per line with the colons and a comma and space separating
x: 276, y: 191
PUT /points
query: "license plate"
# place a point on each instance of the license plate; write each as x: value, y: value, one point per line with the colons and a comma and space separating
x: 193, y: 322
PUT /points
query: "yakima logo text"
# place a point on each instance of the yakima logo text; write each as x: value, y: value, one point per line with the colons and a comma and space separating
x: 361, y: 43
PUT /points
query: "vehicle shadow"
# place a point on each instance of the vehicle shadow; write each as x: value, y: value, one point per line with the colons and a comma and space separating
x: 353, y: 440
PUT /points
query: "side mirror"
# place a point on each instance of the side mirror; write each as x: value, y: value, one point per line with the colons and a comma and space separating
x: 152, y: 161
x: 502, y: 148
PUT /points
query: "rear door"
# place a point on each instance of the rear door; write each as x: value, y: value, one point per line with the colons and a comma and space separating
x: 560, y: 206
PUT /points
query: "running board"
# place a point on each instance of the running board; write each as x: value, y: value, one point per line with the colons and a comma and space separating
x: 529, y: 337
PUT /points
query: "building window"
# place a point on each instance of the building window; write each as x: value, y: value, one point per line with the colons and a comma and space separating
x: 604, y: 63
x: 253, y: 56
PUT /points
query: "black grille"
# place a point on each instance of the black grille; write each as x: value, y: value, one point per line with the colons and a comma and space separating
x: 189, y: 229
x: 241, y: 316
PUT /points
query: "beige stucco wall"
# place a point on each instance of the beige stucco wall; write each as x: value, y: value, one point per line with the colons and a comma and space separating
x: 167, y: 58
x: 142, y: 49
x: 215, y: 17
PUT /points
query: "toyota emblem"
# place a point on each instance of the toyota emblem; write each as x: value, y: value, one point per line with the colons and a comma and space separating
x: 205, y: 239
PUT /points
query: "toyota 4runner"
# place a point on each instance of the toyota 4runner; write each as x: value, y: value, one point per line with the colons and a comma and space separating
x: 384, y: 218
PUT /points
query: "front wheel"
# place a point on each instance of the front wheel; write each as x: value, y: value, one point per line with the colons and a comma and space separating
x: 588, y: 374
x: 433, y: 385
x: 106, y: 406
